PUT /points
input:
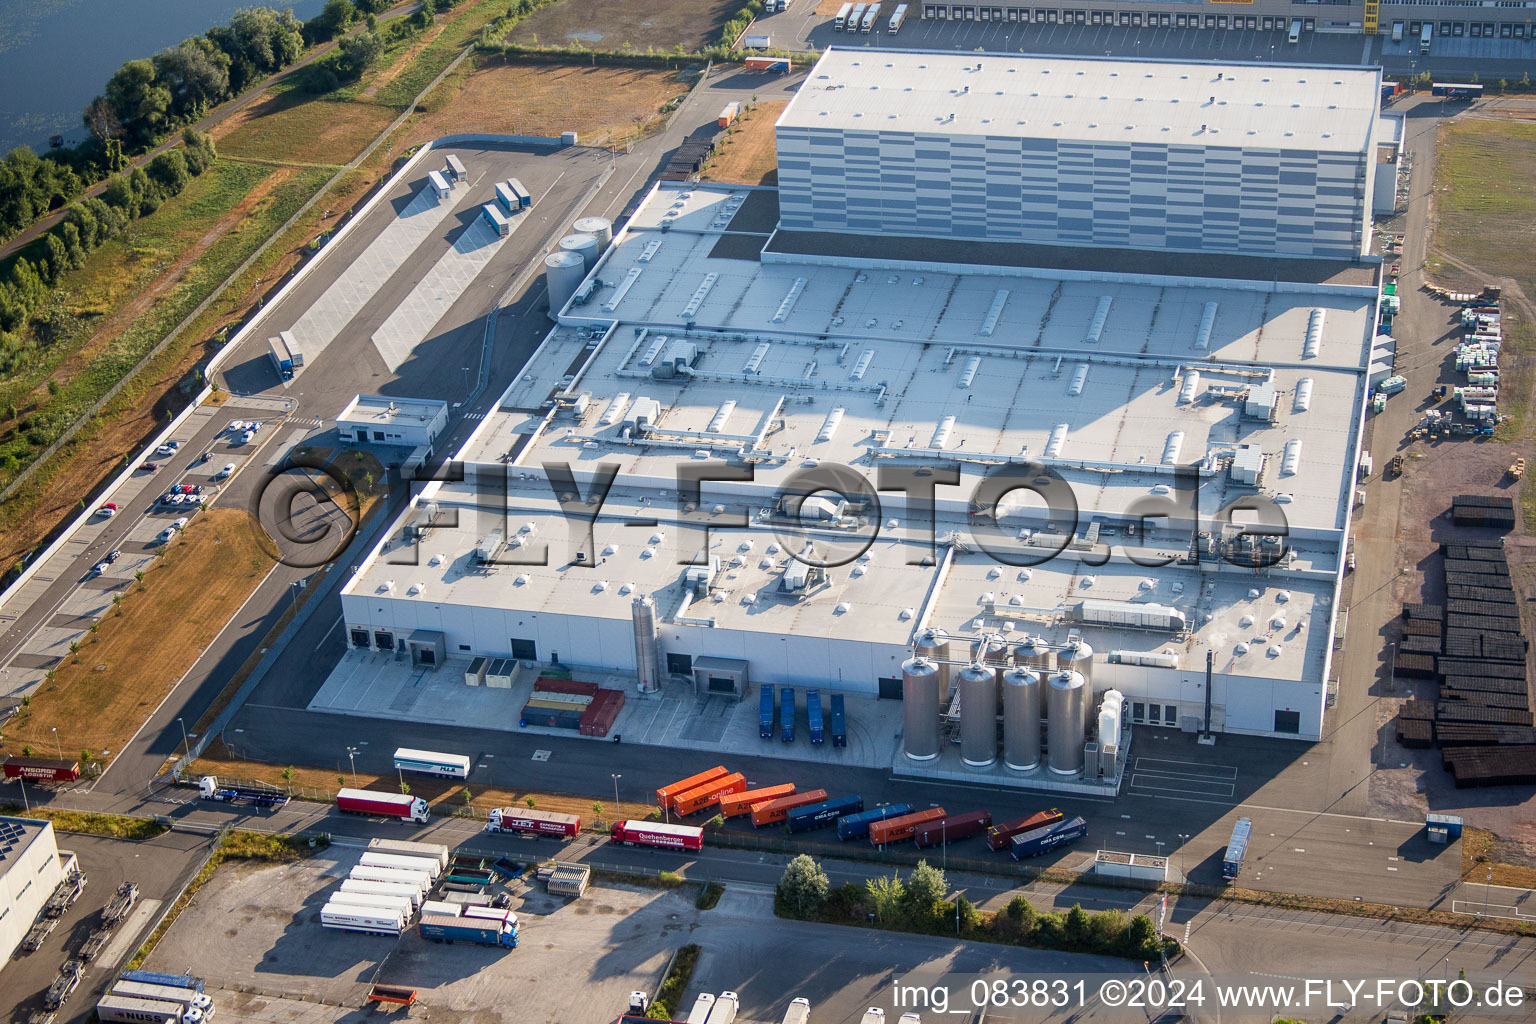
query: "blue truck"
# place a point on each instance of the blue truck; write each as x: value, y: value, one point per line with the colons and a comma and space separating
x: 1237, y: 849
x: 803, y: 819
x: 156, y: 978
x: 856, y: 826
x: 1046, y: 838
x: 787, y: 714
x: 765, y: 713
x: 486, y: 931
x: 839, y: 722
x: 813, y: 716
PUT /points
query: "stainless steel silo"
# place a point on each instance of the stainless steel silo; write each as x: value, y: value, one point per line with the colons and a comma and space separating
x: 584, y: 246
x: 1022, y: 697
x: 600, y: 228
x: 933, y: 644
x: 978, y: 715
x: 647, y: 652
x: 1077, y: 656
x: 1067, y: 724
x: 920, y: 699
x: 563, y: 273
x: 1033, y: 652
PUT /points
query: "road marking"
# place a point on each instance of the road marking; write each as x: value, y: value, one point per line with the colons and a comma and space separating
x: 1154, y: 764
x: 1208, y: 788
x: 540, y: 755
x: 329, y: 632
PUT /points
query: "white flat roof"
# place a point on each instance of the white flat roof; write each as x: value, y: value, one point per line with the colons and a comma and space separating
x: 373, y: 409
x: 1097, y: 99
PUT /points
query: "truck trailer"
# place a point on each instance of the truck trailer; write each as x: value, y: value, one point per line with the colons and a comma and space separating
x: 772, y: 65
x: 280, y: 359
x: 667, y: 794
x: 190, y: 999
x: 709, y: 794
x: 397, y: 903
x: 814, y: 816
x: 839, y: 722
x: 742, y: 803
x: 952, y: 828
x: 347, y: 918
x: 840, y: 22
x: 871, y: 17
x: 856, y: 826
x: 998, y: 836
x: 418, y: 880
x: 653, y: 833
x: 893, y: 830
x: 115, y: 1009
x: 1042, y: 840
x: 209, y: 788
x: 362, y: 887
x: 160, y: 978
x: 41, y: 769
x: 400, y: 861
x: 1237, y: 849
x: 437, y: 851
x: 430, y: 762
x: 295, y: 350
x: 479, y: 930
x: 813, y: 720
x: 533, y: 823
x: 787, y: 714
x: 775, y: 811
x: 384, y: 805
x: 765, y: 713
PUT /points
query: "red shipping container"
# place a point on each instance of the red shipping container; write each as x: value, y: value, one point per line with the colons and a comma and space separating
x: 777, y: 810
x: 545, y: 684
x: 893, y: 830
x: 741, y: 803
x: 998, y: 836
x: 709, y: 794
x: 667, y: 794
x: 42, y: 769
x: 953, y: 828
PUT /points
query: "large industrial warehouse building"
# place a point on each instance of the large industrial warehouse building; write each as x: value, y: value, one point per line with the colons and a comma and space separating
x: 700, y: 344
x: 1147, y: 155
x: 30, y: 871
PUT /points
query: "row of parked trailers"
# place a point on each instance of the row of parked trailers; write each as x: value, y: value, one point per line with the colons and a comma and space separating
x: 1475, y: 647
x: 853, y: 17
x: 152, y: 997
x: 818, y: 723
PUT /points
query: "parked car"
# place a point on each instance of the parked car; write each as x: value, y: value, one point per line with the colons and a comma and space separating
x: 113, y: 555
x: 99, y: 568
x: 108, y: 510
x: 180, y: 524
x: 248, y: 437
x: 226, y: 472
x: 166, y: 534
x: 150, y: 467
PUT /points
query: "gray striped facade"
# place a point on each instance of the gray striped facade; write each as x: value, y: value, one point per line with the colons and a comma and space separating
x: 1199, y: 198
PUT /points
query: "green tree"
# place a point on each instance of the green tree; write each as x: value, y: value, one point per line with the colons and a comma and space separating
x: 139, y: 100
x: 334, y: 18
x: 926, y: 886
x: 530, y: 802
x: 597, y: 812
x: 803, y: 888
x: 358, y: 53
x: 169, y: 172
x: 1075, y: 927
x: 1141, y: 936
x: 196, y: 74
x: 885, y: 896
x: 288, y: 774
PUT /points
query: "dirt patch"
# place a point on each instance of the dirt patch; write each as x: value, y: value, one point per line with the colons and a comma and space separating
x: 291, y: 127
x: 602, y: 104
x: 617, y: 24
x: 829, y: 8
x: 102, y: 693
x: 1512, y: 861
x: 748, y: 155
x: 1485, y: 185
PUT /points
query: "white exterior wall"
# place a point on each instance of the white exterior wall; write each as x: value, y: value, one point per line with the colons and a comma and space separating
x: 29, y: 880
x: 1197, y: 198
x: 1240, y: 704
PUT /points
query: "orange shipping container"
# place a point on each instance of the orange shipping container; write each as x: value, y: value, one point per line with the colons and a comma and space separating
x: 707, y: 795
x: 666, y: 794
x: 893, y: 830
x: 741, y: 803
x: 778, y: 810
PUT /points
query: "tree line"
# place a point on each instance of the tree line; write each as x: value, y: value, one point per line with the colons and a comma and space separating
x: 88, y: 224
x: 147, y: 100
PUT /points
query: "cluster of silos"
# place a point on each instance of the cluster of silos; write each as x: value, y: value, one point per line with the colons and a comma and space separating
x: 1069, y: 704
x: 573, y: 260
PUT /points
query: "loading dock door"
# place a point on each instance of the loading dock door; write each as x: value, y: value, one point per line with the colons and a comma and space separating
x: 680, y: 664
x: 890, y: 688
x: 1288, y: 721
x: 384, y: 641
x: 359, y: 638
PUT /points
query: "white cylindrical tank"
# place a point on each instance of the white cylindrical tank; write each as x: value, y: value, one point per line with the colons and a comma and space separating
x: 1066, y: 729
x: 600, y: 228
x: 1110, y: 710
x: 563, y: 273
x: 933, y: 644
x: 584, y: 246
x: 920, y: 699
x: 1022, y: 697
x: 642, y: 612
x: 978, y: 715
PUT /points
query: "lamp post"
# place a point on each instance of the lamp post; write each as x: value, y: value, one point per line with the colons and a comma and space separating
x: 186, y: 748
x: 1487, y: 886
x: 616, y: 779
x: 58, y: 747
x: 352, y: 760
x: 1183, y: 839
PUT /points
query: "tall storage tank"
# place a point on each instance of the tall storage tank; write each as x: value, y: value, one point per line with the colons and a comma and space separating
x: 1077, y: 656
x: 600, y: 228
x: 563, y: 273
x: 1022, y: 697
x: 584, y: 246
x: 978, y: 715
x: 1109, y: 719
x: 1033, y: 652
x: 1068, y: 702
x: 920, y: 699
x: 647, y: 653
x: 991, y: 649
x: 933, y: 644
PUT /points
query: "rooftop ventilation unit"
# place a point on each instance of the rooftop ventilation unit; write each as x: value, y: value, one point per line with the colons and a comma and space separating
x: 698, y: 578
x: 830, y: 424
x: 1207, y: 323
x: 755, y: 360
x: 1314, y: 341
x: 489, y: 546
x: 862, y: 366
x: 941, y: 433
x: 1303, y: 395
x: 1100, y: 315
x: 789, y: 301
x: 1057, y: 442
x: 643, y: 415
x: 1079, y: 380
x: 968, y: 374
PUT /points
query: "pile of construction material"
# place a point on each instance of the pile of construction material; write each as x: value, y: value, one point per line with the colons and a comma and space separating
x: 1475, y: 646
x: 1496, y: 512
x: 572, y: 704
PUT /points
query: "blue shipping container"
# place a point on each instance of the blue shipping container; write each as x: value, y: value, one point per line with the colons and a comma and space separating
x: 813, y: 715
x: 839, y: 722
x: 156, y: 978
x: 856, y: 826
x: 1044, y: 839
x: 787, y: 714
x: 1237, y: 849
x: 803, y: 819
x: 765, y: 713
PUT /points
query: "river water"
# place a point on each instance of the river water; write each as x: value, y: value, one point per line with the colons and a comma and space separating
x: 56, y: 55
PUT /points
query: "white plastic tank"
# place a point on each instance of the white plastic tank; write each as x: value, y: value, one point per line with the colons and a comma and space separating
x: 1110, y: 710
x: 1022, y: 698
x: 584, y: 246
x: 920, y: 679
x: 647, y: 653
x: 1065, y: 730
x: 978, y: 715
x: 563, y: 273
x: 600, y: 228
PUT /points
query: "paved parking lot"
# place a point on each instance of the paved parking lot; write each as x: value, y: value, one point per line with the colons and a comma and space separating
x: 160, y: 866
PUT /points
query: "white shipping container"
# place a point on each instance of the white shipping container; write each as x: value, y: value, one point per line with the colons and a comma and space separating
x: 402, y: 861
x: 440, y: 907
x: 357, y: 885
x: 401, y: 905
x: 361, y: 919
x: 420, y: 879
x: 841, y: 21
x: 127, y: 1010
x: 437, y: 851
